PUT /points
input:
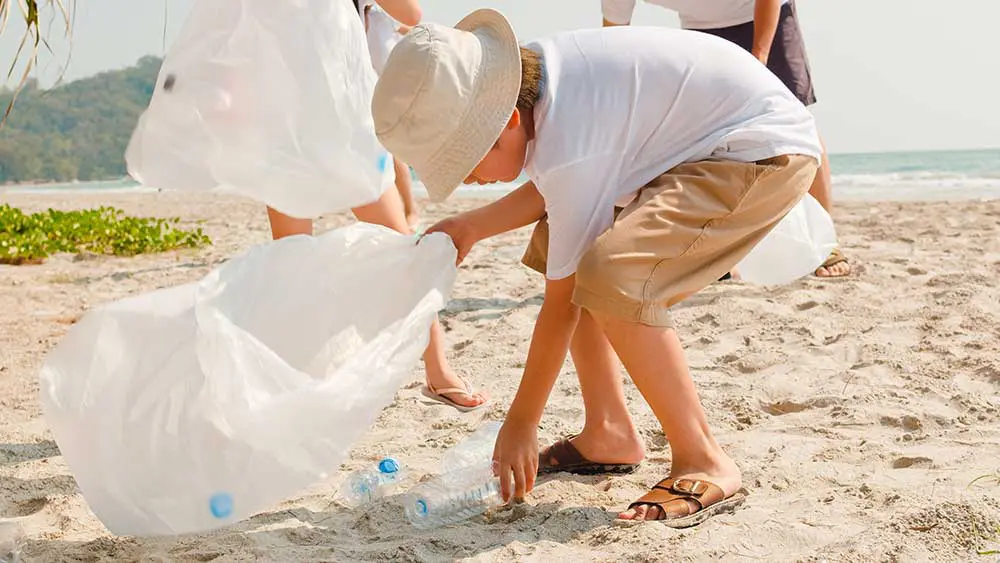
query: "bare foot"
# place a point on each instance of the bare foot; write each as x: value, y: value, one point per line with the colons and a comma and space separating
x: 724, y: 474
x: 446, y: 380
x: 838, y: 270
x: 609, y: 444
x: 413, y: 220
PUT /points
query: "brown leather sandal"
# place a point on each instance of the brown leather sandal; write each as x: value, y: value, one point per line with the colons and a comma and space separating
x: 835, y: 257
x: 677, y: 497
x: 569, y: 459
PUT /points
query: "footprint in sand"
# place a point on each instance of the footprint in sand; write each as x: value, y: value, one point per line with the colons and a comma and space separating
x: 917, y: 461
x: 807, y: 305
x: 787, y: 406
x: 22, y: 508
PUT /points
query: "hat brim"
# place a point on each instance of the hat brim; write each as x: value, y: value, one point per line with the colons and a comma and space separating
x: 489, y: 111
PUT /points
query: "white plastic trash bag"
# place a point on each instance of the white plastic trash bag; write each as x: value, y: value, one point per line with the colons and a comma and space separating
x: 797, y: 245
x: 193, y: 407
x: 269, y: 99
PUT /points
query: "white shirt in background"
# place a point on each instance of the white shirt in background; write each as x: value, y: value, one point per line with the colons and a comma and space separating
x: 383, y: 35
x: 382, y: 32
x: 694, y: 14
x: 623, y: 105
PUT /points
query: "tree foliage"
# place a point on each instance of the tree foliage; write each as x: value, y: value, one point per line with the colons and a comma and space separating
x: 77, y: 131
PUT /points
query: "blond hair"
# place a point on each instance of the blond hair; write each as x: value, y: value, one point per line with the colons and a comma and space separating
x: 532, y: 74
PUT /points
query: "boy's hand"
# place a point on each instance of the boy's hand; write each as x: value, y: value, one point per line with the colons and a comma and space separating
x: 462, y: 234
x: 516, y: 455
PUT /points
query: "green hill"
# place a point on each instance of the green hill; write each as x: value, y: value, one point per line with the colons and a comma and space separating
x: 77, y: 131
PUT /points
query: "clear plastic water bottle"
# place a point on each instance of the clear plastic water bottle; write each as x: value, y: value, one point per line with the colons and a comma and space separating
x: 11, y: 538
x: 453, y: 497
x: 466, y: 486
x: 362, y: 487
x: 477, y: 449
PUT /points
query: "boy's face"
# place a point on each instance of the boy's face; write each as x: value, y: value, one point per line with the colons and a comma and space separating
x: 505, y: 160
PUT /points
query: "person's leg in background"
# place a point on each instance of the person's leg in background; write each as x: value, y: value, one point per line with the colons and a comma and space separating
x: 791, y: 65
x: 822, y: 190
x: 404, y: 184
x: 788, y: 61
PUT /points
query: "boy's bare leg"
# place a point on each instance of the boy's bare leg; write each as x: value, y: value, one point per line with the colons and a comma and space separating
x: 404, y: 184
x: 655, y: 360
x: 388, y: 211
x: 608, y: 435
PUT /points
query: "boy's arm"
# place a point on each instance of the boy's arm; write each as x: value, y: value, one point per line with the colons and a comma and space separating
x: 516, y: 452
x: 406, y: 12
x: 765, y: 25
x: 517, y: 209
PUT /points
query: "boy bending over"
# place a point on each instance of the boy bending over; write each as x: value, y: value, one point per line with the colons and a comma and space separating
x: 658, y: 159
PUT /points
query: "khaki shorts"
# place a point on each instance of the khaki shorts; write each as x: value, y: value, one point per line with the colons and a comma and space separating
x: 684, y: 230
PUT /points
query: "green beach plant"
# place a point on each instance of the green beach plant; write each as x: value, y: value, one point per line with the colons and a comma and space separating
x: 29, y: 239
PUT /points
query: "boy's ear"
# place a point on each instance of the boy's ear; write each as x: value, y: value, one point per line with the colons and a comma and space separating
x: 515, y: 119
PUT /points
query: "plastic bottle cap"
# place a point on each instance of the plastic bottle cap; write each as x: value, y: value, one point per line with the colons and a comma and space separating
x: 421, y: 508
x: 388, y: 465
x: 221, y: 505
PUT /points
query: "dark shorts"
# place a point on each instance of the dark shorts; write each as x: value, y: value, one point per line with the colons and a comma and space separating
x: 787, y: 58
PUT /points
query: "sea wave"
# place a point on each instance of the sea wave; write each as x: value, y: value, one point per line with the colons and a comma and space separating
x: 924, y: 178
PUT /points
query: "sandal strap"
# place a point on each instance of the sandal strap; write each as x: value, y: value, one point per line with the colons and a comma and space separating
x: 448, y: 390
x: 836, y: 257
x: 665, y: 494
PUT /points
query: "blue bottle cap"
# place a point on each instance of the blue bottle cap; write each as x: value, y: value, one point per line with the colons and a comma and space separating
x: 388, y: 465
x: 221, y: 505
x: 421, y: 508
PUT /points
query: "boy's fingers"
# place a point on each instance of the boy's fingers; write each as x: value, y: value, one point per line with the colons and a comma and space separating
x: 505, y: 481
x: 530, y: 474
x: 519, y: 481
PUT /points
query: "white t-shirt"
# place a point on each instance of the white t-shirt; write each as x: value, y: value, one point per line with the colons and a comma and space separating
x: 383, y: 35
x: 622, y: 105
x: 694, y: 14
x: 382, y: 32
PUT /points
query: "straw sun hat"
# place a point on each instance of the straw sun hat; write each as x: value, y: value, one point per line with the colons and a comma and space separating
x: 445, y: 96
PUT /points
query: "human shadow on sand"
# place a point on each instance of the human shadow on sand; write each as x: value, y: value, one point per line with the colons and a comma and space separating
x: 19, y: 453
x: 376, y: 532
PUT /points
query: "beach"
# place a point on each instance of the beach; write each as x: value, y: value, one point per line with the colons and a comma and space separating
x: 861, y: 411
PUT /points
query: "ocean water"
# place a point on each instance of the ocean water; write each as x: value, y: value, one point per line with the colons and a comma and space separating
x: 931, y: 175
x: 892, y: 176
x: 889, y: 176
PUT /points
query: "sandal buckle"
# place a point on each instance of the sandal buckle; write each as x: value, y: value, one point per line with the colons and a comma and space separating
x: 693, y: 487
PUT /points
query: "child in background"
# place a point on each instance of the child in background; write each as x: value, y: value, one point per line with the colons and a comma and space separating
x: 442, y: 385
x: 658, y: 159
x: 383, y: 33
x: 769, y: 30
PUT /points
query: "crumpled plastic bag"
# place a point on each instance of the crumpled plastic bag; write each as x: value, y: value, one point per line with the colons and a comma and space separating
x: 268, y: 99
x: 189, y: 408
x: 794, y: 248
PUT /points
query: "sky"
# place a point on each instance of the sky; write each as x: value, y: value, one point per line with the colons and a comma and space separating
x: 890, y: 75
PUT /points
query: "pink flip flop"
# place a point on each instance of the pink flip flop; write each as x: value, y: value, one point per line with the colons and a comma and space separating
x: 439, y: 395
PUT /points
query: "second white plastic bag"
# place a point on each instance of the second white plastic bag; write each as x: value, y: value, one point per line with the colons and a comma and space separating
x: 193, y: 407
x: 794, y: 248
x: 269, y: 99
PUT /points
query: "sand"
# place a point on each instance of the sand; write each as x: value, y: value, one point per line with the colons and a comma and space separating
x: 859, y: 410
